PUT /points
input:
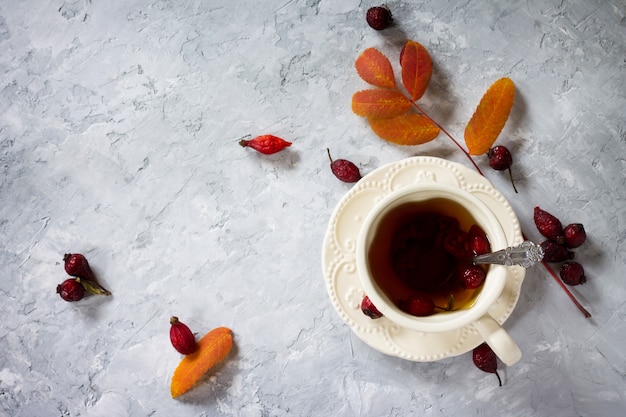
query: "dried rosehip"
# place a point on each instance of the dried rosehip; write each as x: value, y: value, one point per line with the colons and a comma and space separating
x: 343, y: 169
x: 369, y: 309
x: 181, y: 337
x: 572, y: 273
x: 71, y: 290
x: 472, y: 276
x: 485, y: 359
x: 500, y: 159
x: 574, y: 235
x: 548, y: 225
x: 418, y: 305
x: 553, y: 252
x: 378, y: 17
x: 266, y: 144
x: 477, y: 240
x: 76, y: 265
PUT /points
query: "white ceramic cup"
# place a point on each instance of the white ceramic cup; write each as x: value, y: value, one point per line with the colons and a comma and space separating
x: 477, y: 314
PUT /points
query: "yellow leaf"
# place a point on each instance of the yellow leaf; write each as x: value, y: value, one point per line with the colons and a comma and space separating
x: 490, y: 116
x: 378, y: 103
x: 374, y: 67
x: 212, y: 349
x: 407, y: 129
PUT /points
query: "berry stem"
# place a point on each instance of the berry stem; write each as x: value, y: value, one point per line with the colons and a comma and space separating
x: 567, y: 291
x: 512, y: 182
x: 449, y: 136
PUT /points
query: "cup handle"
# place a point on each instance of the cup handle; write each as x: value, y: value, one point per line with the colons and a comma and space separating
x: 498, y: 340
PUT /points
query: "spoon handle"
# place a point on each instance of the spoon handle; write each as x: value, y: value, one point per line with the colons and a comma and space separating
x: 525, y: 254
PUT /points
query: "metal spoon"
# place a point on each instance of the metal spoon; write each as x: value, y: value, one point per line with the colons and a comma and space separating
x: 525, y: 254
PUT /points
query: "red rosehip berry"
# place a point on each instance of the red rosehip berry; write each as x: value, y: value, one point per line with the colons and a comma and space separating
x: 265, y: 144
x: 71, y: 290
x: 553, y: 252
x: 343, y: 169
x: 572, y: 273
x: 472, y: 276
x: 548, y: 225
x: 378, y: 17
x: 485, y: 359
x: 76, y: 265
x: 418, y: 305
x: 369, y: 309
x: 574, y: 235
x: 478, y: 241
x: 500, y: 159
x: 181, y: 337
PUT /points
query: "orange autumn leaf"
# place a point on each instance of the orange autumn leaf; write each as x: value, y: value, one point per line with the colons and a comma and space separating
x: 212, y: 349
x: 417, y: 67
x: 490, y: 116
x: 374, y: 67
x: 407, y: 129
x: 380, y: 104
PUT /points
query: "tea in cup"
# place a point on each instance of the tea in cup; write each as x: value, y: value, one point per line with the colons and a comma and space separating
x: 412, y: 255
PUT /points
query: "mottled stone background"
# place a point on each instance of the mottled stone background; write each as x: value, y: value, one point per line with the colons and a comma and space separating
x: 119, y: 123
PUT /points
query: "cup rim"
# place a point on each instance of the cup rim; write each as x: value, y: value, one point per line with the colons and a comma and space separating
x: 442, y: 321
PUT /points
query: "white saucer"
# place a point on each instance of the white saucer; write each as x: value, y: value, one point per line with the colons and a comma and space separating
x: 339, y: 258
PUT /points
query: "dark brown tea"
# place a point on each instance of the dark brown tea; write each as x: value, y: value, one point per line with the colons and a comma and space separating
x: 419, y: 248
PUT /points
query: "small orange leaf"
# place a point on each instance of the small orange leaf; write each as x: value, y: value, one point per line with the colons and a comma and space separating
x: 417, y: 67
x: 212, y: 349
x: 407, y: 129
x: 374, y: 67
x: 380, y: 104
x: 490, y: 116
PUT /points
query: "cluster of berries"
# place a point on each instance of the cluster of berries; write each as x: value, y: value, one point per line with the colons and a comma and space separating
x: 83, y: 281
x: 558, y: 244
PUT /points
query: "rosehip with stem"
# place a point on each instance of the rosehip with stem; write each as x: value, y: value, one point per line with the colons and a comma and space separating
x: 378, y: 17
x: 181, y: 337
x: 485, y: 359
x: 500, y: 159
x: 71, y: 290
x: 343, y: 169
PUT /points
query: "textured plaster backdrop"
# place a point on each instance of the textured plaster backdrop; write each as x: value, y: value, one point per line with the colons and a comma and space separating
x: 119, y: 123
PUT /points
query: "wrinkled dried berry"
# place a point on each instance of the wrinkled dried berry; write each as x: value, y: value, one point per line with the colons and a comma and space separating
x: 343, y: 169
x: 574, y: 235
x: 500, y: 159
x: 548, y: 225
x: 76, y: 265
x: 472, y: 276
x: 553, y: 252
x: 418, y: 305
x: 265, y: 144
x: 369, y: 309
x: 181, y: 337
x: 71, y: 290
x: 572, y: 273
x: 378, y: 17
x: 485, y: 359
